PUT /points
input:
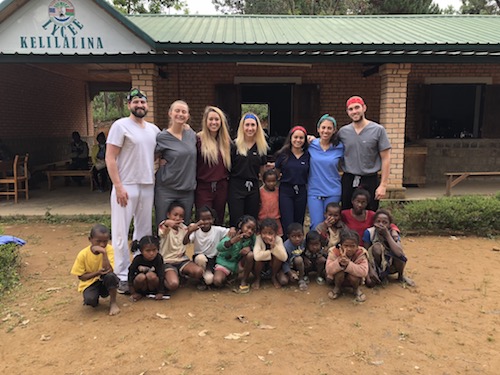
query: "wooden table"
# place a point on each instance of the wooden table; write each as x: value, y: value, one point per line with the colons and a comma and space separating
x: 69, y: 173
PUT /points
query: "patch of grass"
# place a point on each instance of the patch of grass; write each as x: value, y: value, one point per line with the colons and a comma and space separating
x: 472, y: 215
x: 10, y: 261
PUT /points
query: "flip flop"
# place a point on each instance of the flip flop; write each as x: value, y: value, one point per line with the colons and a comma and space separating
x: 302, y: 285
x: 333, y: 295
x: 360, y: 297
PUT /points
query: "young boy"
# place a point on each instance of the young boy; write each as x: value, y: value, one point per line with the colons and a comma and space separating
x: 295, y: 247
x: 314, y: 257
x: 332, y: 226
x: 94, y: 268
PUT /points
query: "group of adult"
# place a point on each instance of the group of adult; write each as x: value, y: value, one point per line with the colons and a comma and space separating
x: 208, y: 168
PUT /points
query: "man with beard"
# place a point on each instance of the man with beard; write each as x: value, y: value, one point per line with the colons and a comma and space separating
x: 130, y: 161
x: 367, y: 151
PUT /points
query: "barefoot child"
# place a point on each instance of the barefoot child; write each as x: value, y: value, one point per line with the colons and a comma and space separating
x: 385, y: 253
x: 146, y: 273
x: 172, y: 232
x: 205, y: 237
x: 347, y: 265
x: 294, y: 264
x: 269, y: 198
x: 314, y: 257
x: 94, y: 268
x: 331, y: 227
x: 236, y: 250
x: 268, y: 248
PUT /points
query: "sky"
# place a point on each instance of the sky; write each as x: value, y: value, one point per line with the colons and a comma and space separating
x: 206, y: 6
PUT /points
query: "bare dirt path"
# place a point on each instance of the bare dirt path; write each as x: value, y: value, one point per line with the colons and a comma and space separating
x: 448, y: 324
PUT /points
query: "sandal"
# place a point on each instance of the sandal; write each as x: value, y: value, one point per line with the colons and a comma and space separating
x: 407, y: 281
x: 360, y: 296
x: 244, y: 289
x: 333, y: 294
x: 320, y: 280
x: 302, y: 285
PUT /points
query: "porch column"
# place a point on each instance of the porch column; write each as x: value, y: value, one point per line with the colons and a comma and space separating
x: 144, y: 77
x: 393, y: 85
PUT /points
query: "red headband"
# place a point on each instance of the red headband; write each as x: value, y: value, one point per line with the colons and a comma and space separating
x: 298, y: 127
x: 354, y: 99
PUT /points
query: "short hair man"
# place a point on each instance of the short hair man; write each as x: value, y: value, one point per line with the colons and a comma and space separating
x: 367, y: 151
x: 130, y: 161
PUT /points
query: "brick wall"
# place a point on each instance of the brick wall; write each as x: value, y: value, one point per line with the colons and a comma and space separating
x: 195, y: 83
x: 457, y: 155
x: 40, y: 110
x: 417, y: 77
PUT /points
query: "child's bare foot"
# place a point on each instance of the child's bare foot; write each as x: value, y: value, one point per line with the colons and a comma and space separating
x: 406, y: 280
x: 275, y: 282
x: 135, y: 297
x: 113, y: 309
x: 256, y: 284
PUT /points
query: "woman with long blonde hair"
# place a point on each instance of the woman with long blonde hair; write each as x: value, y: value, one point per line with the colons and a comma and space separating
x: 213, y: 162
x: 248, y: 159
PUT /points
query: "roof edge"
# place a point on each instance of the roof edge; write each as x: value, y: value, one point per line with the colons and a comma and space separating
x: 123, y: 20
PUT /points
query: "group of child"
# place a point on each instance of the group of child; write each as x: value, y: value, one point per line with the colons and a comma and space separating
x: 347, y: 249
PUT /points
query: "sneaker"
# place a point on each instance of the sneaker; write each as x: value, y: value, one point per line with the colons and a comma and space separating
x: 320, y: 280
x: 123, y: 287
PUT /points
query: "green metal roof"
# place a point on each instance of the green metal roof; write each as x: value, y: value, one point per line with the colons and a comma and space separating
x: 319, y: 31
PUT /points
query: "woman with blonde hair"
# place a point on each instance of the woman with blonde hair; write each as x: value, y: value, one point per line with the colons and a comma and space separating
x: 248, y: 159
x: 213, y: 162
x: 176, y: 177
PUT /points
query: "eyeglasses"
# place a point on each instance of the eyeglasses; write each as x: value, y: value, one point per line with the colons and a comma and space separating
x: 136, y: 93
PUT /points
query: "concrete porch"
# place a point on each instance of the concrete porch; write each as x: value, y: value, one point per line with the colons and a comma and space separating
x: 79, y: 200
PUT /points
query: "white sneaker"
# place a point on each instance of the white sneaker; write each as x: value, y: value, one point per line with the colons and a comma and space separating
x: 123, y: 287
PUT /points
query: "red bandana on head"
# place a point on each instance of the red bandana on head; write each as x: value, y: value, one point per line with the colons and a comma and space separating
x: 353, y: 100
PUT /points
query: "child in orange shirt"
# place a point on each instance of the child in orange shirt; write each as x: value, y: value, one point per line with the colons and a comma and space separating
x: 269, y: 199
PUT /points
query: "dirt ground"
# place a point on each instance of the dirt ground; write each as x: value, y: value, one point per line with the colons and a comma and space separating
x: 448, y: 324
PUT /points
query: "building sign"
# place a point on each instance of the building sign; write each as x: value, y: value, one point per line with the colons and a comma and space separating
x: 66, y: 27
x: 62, y: 30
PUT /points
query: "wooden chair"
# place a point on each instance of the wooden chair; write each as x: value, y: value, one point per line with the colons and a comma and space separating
x: 19, y: 181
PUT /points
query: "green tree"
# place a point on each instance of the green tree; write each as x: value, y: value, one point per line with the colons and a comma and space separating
x: 480, y: 7
x: 148, y: 6
x: 324, y: 7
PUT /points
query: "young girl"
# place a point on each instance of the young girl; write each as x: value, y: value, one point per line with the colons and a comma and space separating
x: 269, y: 198
x: 358, y: 218
x: 248, y: 159
x: 235, y: 251
x: 292, y: 163
x: 294, y: 247
x: 205, y: 237
x: 172, y: 232
x: 385, y: 253
x: 213, y: 162
x: 176, y: 177
x: 314, y: 257
x: 332, y: 226
x: 146, y: 274
x: 347, y: 265
x: 268, y: 248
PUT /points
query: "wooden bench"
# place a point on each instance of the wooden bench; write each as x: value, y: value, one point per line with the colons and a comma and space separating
x: 454, y: 178
x: 70, y: 173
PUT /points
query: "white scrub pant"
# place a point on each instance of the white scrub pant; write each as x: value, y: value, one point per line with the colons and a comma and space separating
x: 139, y: 207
